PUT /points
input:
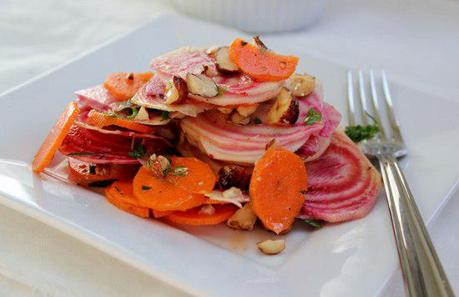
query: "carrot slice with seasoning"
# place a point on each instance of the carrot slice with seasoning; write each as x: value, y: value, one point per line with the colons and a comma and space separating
x: 55, y: 137
x: 260, y: 63
x: 120, y: 195
x: 276, y: 187
x: 197, y: 217
x: 99, y: 119
x: 159, y: 194
x: 124, y: 85
x: 192, y: 175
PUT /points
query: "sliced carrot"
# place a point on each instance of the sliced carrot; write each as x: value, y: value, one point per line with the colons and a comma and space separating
x: 159, y: 194
x: 55, y: 137
x: 197, y: 217
x: 160, y: 214
x: 85, y: 174
x: 120, y: 195
x: 101, y: 120
x: 191, y: 175
x: 124, y: 85
x: 276, y: 187
x: 260, y: 63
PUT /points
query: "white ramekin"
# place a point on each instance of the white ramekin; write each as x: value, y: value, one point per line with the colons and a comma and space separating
x: 255, y: 16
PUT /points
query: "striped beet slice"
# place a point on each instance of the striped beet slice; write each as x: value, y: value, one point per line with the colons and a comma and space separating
x: 95, y: 97
x: 343, y: 184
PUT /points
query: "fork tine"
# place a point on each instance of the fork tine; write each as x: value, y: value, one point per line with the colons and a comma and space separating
x: 363, y: 99
x: 376, y: 107
x: 397, y: 135
x: 350, y: 99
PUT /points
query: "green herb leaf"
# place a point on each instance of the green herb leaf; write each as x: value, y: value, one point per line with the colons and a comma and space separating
x: 165, y: 115
x: 133, y: 113
x: 138, y: 151
x: 81, y: 154
x: 314, y: 223
x: 312, y: 116
x: 257, y: 121
x: 146, y: 188
x: 358, y: 133
x: 180, y: 171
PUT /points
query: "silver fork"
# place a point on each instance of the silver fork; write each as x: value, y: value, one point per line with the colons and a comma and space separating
x: 422, y: 270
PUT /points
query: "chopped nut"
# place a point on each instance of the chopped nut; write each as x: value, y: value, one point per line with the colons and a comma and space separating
x: 246, y: 110
x: 176, y: 91
x: 302, y: 85
x: 238, y: 119
x: 201, y: 85
x: 271, y: 247
x: 207, y: 210
x: 233, y: 176
x: 142, y: 115
x: 285, y: 109
x: 225, y: 110
x: 224, y: 63
x: 243, y: 219
x: 159, y: 165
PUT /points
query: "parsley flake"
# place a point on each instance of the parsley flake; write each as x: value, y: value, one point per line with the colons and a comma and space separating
x: 138, y: 151
x: 257, y: 121
x: 146, y: 188
x: 180, y: 171
x: 314, y: 223
x: 358, y: 133
x: 165, y: 115
x: 312, y: 116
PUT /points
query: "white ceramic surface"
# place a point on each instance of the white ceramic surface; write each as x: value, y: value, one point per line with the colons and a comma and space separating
x: 352, y: 259
x: 256, y: 16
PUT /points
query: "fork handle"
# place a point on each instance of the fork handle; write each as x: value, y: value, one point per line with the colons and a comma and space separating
x: 422, y: 270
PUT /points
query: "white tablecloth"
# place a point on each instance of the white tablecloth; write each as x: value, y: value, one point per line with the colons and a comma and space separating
x: 417, y: 42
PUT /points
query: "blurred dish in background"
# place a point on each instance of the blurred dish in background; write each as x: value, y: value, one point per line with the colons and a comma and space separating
x: 256, y: 16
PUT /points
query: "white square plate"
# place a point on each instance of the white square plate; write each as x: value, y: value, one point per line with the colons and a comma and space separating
x: 351, y: 259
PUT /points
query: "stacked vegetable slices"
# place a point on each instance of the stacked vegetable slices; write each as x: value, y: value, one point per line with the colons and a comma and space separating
x: 229, y: 133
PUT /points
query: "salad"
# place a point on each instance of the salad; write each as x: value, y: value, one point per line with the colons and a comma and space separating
x: 229, y: 134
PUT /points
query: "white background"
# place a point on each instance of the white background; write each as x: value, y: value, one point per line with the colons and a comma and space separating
x: 417, y: 42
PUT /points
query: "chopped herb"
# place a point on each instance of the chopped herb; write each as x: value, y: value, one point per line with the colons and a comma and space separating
x: 259, y: 42
x: 314, y: 223
x: 358, y: 133
x: 165, y: 115
x: 133, y: 113
x: 81, y: 154
x: 180, y: 171
x: 146, y: 188
x: 92, y: 169
x: 243, y: 43
x: 138, y: 152
x: 312, y: 117
x: 102, y: 183
x: 257, y: 121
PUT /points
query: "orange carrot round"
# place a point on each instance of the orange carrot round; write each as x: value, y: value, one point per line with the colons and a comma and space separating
x: 124, y: 85
x: 120, y: 195
x: 196, y: 216
x: 85, y: 174
x: 260, y: 63
x: 276, y: 187
x: 191, y: 175
x: 159, y: 194
x: 55, y: 137
x: 101, y: 120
